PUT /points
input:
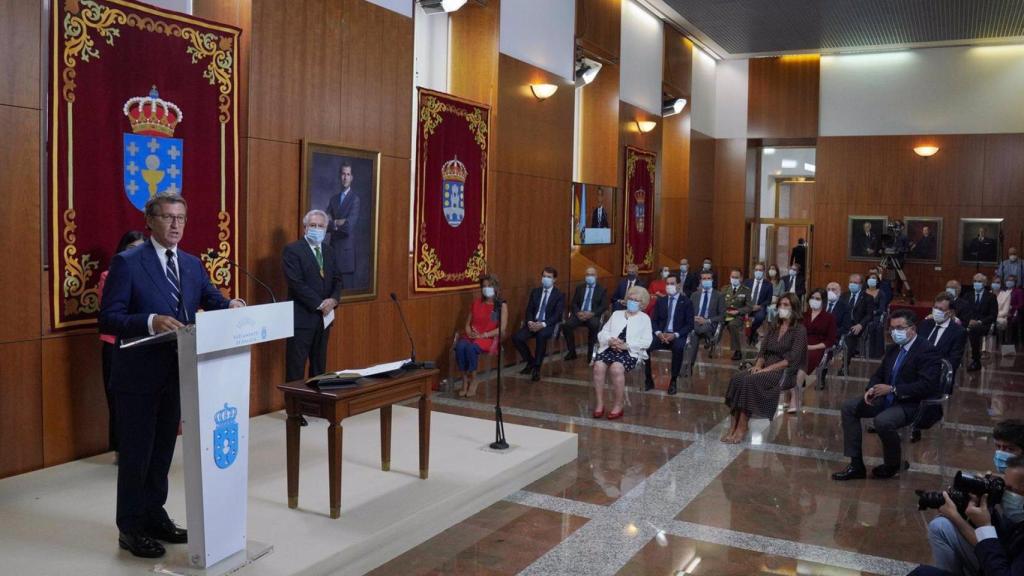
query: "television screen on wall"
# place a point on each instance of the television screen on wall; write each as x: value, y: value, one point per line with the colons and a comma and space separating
x: 592, y: 212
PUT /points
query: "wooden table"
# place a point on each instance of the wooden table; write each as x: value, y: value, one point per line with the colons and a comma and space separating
x: 338, y: 404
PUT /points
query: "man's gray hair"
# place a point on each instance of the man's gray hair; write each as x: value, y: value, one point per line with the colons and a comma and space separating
x: 315, y: 212
x: 163, y: 198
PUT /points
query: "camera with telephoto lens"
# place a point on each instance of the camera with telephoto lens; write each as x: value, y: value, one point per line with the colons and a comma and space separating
x: 964, y: 486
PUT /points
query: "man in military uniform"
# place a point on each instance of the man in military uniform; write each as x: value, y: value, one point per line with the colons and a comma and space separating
x: 738, y: 302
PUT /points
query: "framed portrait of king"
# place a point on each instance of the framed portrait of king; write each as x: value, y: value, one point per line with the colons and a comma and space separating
x: 345, y: 183
x: 924, y: 239
x: 980, y: 241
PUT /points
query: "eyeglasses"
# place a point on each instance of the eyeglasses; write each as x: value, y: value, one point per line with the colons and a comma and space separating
x: 168, y: 218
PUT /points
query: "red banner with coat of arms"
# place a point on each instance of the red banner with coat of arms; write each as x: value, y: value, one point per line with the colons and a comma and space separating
x: 638, y: 247
x: 451, y: 182
x: 142, y: 101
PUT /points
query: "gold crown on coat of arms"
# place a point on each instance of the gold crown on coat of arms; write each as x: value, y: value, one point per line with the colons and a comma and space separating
x: 454, y: 170
x: 152, y: 115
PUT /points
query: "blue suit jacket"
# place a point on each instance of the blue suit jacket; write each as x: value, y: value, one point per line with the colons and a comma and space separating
x: 765, y: 297
x: 682, y: 323
x: 342, y: 238
x: 137, y: 287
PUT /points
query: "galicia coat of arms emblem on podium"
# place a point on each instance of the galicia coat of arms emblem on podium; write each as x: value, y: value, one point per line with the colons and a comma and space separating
x: 225, y: 437
x: 453, y: 176
x: 153, y: 159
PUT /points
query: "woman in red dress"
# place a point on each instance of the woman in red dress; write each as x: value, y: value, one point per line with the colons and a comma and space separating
x: 821, y: 335
x: 657, y: 289
x: 481, y: 335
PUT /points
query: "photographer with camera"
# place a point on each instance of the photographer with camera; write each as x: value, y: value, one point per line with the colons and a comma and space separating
x: 952, y: 539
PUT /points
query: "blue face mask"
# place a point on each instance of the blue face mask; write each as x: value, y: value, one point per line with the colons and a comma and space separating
x: 705, y: 283
x: 854, y: 287
x: 951, y: 292
x: 684, y: 268
x: 995, y: 286
x: 547, y: 281
x: 978, y: 286
x: 591, y: 279
x: 1013, y: 507
x: 899, y: 336
x: 759, y: 274
x: 633, y: 306
x: 1000, y: 459
x: 315, y: 236
x: 488, y: 291
x: 872, y: 282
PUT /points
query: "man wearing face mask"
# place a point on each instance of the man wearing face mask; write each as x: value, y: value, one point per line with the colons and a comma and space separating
x: 708, y: 309
x: 860, y: 306
x: 948, y: 337
x: 989, y: 541
x: 707, y: 266
x: 1012, y: 266
x: 631, y: 279
x: 737, y: 299
x: 979, y: 319
x: 314, y: 287
x: 760, y: 298
x: 689, y: 280
x: 672, y: 322
x: 836, y: 306
x: 909, y: 373
x: 794, y: 281
x: 588, y: 304
x: 543, y: 312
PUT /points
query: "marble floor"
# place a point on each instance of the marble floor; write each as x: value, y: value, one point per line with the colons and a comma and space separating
x: 656, y: 493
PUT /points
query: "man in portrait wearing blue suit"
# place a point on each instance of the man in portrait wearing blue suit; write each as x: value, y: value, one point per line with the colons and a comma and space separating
x: 152, y: 288
x: 343, y: 210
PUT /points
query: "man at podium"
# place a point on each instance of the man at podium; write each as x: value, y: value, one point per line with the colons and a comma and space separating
x: 152, y: 288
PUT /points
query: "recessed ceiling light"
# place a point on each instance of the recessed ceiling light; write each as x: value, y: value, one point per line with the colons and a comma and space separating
x: 809, y: 167
x: 787, y: 163
x: 768, y: 151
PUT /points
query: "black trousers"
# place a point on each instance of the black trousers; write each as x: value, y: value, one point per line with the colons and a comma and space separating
x: 976, y: 334
x: 678, y: 348
x: 887, y: 421
x: 108, y: 352
x: 523, y: 335
x: 147, y: 426
x: 307, y: 344
x: 569, y: 327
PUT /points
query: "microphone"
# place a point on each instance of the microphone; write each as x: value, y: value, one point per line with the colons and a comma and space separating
x: 215, y: 254
x: 411, y: 364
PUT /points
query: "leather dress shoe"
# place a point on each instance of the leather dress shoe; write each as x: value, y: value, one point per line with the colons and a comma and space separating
x: 737, y: 355
x: 851, y: 473
x: 167, y: 532
x: 915, y: 435
x: 672, y: 388
x: 974, y: 366
x: 526, y: 369
x: 535, y: 375
x: 141, y: 545
x: 570, y: 355
x: 648, y: 385
x: 886, y: 471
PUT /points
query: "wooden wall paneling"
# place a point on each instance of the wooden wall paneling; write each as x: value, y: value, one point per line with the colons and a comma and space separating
x: 599, y: 129
x: 677, y: 65
x: 74, y: 402
x: 702, y: 189
x: 473, y: 52
x: 21, y: 282
x: 1003, y: 170
x: 675, y: 186
x: 20, y: 44
x: 782, y: 97
x: 730, y: 204
x: 598, y: 27
x: 21, y: 412
x: 236, y: 13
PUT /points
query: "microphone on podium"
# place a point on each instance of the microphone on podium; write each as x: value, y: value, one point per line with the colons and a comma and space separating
x: 215, y: 254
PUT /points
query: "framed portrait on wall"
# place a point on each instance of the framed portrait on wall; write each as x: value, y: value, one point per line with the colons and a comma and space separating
x: 591, y: 214
x: 981, y: 240
x: 864, y: 237
x: 924, y: 239
x: 345, y: 183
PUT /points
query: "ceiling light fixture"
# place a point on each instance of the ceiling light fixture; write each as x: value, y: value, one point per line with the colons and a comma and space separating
x: 768, y: 151
x: 926, y: 151
x: 543, y: 91
x: 787, y: 163
x: 441, y: 6
x: 645, y: 126
x: 672, y: 106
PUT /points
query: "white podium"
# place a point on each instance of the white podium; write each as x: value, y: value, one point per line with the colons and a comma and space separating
x: 213, y: 365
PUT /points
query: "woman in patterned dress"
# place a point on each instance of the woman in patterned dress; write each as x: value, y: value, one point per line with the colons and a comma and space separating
x: 622, y: 341
x: 755, y: 393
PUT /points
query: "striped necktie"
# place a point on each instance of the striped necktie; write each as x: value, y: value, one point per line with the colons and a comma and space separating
x: 172, y: 277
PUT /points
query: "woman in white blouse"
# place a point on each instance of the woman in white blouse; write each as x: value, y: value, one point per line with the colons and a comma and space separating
x: 623, y: 341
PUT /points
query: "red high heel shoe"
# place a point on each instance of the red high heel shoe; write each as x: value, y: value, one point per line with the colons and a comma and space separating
x: 615, y: 415
x: 599, y: 413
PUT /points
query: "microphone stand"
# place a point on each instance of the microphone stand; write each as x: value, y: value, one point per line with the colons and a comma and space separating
x: 500, y: 443
x: 215, y: 254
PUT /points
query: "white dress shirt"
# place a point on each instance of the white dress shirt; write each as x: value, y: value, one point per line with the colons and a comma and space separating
x: 162, y: 256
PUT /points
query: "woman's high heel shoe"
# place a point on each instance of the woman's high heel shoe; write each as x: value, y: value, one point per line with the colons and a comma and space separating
x: 615, y: 415
x: 599, y: 413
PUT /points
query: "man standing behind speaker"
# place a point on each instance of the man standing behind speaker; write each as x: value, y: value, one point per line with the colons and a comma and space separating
x: 314, y: 286
x: 152, y: 288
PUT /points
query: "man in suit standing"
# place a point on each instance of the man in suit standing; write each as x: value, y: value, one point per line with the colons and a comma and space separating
x: 760, y: 298
x: 980, y: 318
x: 619, y: 297
x: 709, y: 311
x: 543, y: 312
x: 795, y: 281
x: 314, y: 286
x: 688, y: 281
x: 924, y: 247
x: 860, y: 307
x: 343, y: 211
x: 599, y: 217
x: 737, y: 305
x: 908, y: 374
x: 672, y: 322
x: 799, y: 254
x: 588, y: 304
x: 150, y: 289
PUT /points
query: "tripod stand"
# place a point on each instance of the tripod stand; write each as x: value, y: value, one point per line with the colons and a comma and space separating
x: 891, y: 262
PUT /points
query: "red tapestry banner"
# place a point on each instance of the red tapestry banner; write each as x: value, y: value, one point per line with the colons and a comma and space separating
x: 451, y: 182
x: 638, y: 247
x: 142, y: 101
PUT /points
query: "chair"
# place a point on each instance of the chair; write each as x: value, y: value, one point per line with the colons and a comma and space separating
x: 634, y: 378
x: 490, y: 357
x: 930, y: 410
x: 821, y: 370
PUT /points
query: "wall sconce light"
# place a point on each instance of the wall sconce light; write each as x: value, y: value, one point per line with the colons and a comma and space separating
x: 926, y: 151
x: 645, y: 126
x: 543, y: 91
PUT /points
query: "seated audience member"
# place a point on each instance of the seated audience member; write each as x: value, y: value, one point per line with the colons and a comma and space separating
x: 909, y: 373
x: 836, y: 306
x: 1003, y: 297
x: 709, y: 310
x: 953, y: 543
x: 821, y: 335
x: 875, y: 339
x: 761, y: 291
x: 982, y: 315
x: 708, y: 266
x: 860, y: 307
x: 884, y: 286
x: 948, y: 337
x: 656, y: 288
x: 588, y: 304
x: 737, y: 299
x: 961, y: 303
x: 672, y: 323
x: 689, y: 280
x: 776, y: 282
x: 795, y: 281
x: 481, y: 332
x: 623, y: 341
x: 543, y: 313
x: 755, y: 393
x: 625, y: 285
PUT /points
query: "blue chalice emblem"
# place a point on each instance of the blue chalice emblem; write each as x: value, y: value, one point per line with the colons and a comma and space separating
x: 225, y: 437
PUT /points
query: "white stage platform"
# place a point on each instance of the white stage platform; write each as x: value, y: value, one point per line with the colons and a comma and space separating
x: 60, y: 520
